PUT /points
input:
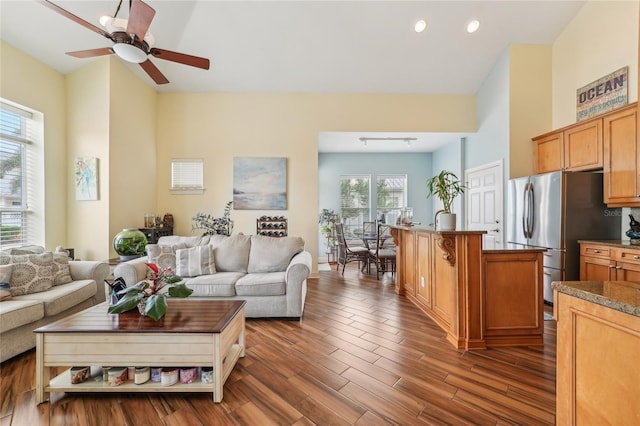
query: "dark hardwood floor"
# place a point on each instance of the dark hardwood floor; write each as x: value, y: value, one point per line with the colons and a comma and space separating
x: 361, y: 356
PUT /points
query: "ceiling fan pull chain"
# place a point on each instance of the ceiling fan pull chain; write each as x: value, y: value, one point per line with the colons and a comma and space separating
x: 115, y: 15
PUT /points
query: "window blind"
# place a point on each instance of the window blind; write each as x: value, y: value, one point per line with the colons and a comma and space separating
x: 16, y: 175
x: 187, y: 176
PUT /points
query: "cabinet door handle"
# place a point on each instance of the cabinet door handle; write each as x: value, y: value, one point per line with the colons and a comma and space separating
x: 618, y: 267
x: 611, y: 266
x: 596, y: 251
x: 636, y: 257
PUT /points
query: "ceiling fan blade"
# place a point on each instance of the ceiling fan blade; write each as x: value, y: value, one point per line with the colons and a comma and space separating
x: 140, y: 17
x: 154, y: 72
x: 181, y: 58
x: 91, y: 53
x: 76, y: 19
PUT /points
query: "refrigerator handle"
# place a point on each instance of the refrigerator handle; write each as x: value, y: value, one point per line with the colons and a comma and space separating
x: 525, y: 211
x: 531, y: 214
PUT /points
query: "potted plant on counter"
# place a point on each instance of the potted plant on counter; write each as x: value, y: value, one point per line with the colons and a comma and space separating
x: 446, y: 186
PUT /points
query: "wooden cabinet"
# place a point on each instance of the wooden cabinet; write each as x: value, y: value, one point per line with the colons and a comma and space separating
x: 621, y: 158
x: 573, y: 148
x: 548, y: 152
x: 478, y: 299
x: 609, y: 263
x: 583, y: 146
x: 597, y: 367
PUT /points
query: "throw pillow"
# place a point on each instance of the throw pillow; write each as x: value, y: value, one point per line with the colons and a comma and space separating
x: 164, y: 255
x: 60, y: 268
x: 195, y: 261
x: 5, y: 277
x: 31, y: 272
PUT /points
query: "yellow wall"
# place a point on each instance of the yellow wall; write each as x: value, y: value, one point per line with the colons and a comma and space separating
x: 88, y: 136
x: 601, y: 39
x: 132, y: 152
x: 44, y: 91
x: 529, y: 103
x: 218, y: 127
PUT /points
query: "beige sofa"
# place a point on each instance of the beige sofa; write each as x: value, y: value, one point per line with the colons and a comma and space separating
x: 20, y: 315
x: 269, y: 273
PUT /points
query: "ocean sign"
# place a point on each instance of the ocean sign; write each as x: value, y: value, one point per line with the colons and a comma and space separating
x: 604, y: 94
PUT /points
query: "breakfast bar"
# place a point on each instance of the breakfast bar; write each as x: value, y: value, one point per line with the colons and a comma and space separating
x: 480, y: 298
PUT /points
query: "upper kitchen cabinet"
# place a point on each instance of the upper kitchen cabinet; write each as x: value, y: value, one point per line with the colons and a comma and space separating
x: 548, y: 152
x: 621, y: 158
x: 573, y: 148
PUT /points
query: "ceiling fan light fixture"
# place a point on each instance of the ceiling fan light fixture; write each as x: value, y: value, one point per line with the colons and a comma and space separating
x: 129, y: 53
x: 105, y: 20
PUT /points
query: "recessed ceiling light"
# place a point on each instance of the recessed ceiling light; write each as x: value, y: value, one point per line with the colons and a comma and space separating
x: 420, y: 26
x: 473, y: 26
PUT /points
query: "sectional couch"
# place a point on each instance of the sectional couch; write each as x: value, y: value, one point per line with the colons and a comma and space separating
x: 269, y: 273
x: 43, y: 287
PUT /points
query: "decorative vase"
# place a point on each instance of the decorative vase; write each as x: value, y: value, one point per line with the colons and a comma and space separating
x: 129, y: 243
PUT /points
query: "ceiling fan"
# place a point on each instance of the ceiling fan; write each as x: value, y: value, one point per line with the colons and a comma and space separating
x: 131, y: 39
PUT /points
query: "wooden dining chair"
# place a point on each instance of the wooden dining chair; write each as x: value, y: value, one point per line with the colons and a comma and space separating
x: 383, y: 256
x: 348, y: 254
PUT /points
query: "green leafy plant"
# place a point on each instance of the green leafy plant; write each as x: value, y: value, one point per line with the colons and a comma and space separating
x: 446, y: 186
x: 214, y: 225
x: 155, y: 302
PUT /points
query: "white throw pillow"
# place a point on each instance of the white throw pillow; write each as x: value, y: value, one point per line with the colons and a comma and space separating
x: 195, y: 261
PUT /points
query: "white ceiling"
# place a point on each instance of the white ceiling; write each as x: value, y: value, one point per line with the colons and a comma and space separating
x: 305, y: 46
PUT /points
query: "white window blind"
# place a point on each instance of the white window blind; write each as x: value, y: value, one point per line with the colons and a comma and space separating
x: 187, y: 176
x: 18, y: 176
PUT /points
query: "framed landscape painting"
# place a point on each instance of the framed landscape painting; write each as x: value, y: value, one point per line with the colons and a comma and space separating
x: 259, y: 183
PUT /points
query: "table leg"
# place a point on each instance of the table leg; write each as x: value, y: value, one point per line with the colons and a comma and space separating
x: 217, y: 369
x: 43, y: 374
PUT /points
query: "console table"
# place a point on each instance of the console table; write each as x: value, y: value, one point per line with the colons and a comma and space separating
x: 193, y: 333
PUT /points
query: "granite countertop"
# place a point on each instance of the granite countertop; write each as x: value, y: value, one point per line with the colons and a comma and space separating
x: 613, y: 243
x: 623, y: 296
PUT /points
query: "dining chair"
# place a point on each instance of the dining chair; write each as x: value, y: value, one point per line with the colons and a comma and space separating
x: 369, y: 234
x: 383, y: 256
x: 348, y: 254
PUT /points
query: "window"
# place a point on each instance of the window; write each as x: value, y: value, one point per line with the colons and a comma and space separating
x: 391, y: 197
x: 186, y: 176
x: 355, y: 204
x: 20, y: 162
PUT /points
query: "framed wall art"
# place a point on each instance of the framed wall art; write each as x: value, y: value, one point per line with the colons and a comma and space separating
x: 259, y: 183
x: 86, y: 177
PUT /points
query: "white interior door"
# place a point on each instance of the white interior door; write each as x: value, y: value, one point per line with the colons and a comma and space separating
x: 484, y: 203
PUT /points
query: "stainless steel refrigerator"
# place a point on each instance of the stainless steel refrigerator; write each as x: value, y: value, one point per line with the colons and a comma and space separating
x: 555, y: 210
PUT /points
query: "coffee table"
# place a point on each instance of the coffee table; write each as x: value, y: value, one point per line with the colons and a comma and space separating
x: 193, y: 333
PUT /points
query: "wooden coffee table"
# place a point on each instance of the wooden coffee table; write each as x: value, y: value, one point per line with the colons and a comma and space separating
x: 193, y: 333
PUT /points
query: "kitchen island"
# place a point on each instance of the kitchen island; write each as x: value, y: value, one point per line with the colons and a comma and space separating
x: 480, y: 298
x: 598, y: 373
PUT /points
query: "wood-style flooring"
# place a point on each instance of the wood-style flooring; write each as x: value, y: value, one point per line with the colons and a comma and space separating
x: 361, y: 356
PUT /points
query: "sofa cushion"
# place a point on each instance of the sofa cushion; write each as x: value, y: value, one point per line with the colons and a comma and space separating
x: 231, y: 253
x: 261, y: 284
x: 15, y: 313
x: 171, y: 240
x: 219, y: 284
x: 63, y: 297
x: 31, y: 272
x: 5, y: 277
x: 271, y: 254
x: 164, y: 255
x: 195, y: 261
x: 60, y: 269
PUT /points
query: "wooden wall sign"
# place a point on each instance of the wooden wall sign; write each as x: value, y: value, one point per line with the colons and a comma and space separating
x: 602, y: 95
